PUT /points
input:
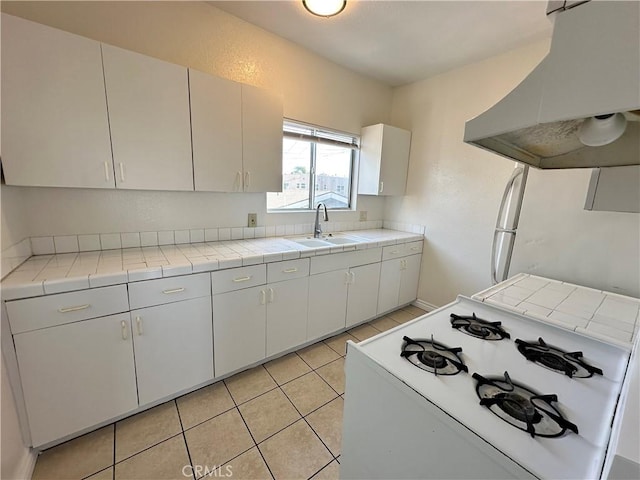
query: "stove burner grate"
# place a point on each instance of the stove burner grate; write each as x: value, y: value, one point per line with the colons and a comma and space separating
x: 569, y: 363
x: 522, y: 407
x: 479, y: 328
x: 433, y: 357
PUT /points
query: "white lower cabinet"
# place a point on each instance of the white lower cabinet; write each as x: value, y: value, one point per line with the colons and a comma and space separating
x: 286, y: 314
x: 398, y: 282
x: 361, y: 298
x: 327, y: 303
x: 173, y: 347
x: 239, y: 329
x: 76, y: 375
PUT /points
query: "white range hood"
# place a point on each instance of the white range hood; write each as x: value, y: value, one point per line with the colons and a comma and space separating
x: 592, y: 71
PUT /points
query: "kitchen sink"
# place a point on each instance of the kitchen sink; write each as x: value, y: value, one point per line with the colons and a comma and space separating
x: 341, y: 240
x: 326, y: 241
x: 311, y: 242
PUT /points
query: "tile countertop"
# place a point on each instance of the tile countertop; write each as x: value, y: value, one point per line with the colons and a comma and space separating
x: 596, y: 313
x: 47, y: 274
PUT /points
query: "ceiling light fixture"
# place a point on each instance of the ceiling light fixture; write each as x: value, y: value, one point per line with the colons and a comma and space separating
x: 324, y: 8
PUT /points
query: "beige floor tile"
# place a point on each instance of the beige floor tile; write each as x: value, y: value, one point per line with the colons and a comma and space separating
x: 248, y: 466
x: 218, y: 440
x: 268, y: 413
x: 106, y: 474
x: 287, y: 368
x: 249, y: 384
x: 167, y: 460
x: 384, y: 323
x: 330, y: 472
x: 402, y: 316
x: 203, y: 404
x: 77, y: 458
x: 414, y: 310
x: 145, y: 429
x: 309, y: 392
x: 327, y: 423
x: 333, y: 373
x: 363, y: 332
x: 339, y: 342
x: 317, y: 355
x: 295, y: 452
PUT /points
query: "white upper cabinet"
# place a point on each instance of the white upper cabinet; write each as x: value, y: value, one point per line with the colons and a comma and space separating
x: 384, y: 160
x: 261, y: 140
x: 55, y: 130
x: 216, y: 126
x: 148, y: 102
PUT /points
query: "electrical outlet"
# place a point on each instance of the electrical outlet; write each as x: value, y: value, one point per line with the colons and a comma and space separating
x: 253, y: 220
x: 363, y: 215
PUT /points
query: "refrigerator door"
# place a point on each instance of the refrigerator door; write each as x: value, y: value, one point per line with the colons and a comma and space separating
x: 507, y: 224
x: 558, y: 239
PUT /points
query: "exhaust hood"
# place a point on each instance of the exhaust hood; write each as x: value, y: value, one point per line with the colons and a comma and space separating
x: 580, y: 107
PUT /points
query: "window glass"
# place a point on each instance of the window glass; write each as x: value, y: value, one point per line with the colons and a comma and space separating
x: 317, y: 167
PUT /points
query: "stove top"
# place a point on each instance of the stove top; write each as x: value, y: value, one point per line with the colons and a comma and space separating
x: 562, y: 422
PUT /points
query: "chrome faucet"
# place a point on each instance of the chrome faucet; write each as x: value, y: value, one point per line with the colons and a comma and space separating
x: 317, y: 230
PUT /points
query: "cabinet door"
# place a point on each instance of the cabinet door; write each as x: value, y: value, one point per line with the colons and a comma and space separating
x: 239, y: 329
x: 390, y: 274
x: 409, y: 281
x: 216, y: 129
x: 286, y: 314
x: 395, y: 160
x: 174, y: 347
x: 362, y: 301
x: 77, y: 375
x: 261, y: 140
x: 55, y: 130
x: 327, y: 303
x: 148, y: 103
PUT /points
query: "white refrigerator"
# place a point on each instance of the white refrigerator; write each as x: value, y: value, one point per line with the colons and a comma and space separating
x: 543, y: 229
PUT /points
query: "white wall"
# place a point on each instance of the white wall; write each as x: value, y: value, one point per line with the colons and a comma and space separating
x: 454, y: 188
x: 197, y: 35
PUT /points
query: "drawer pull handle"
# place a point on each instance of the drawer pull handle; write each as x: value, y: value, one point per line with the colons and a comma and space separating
x: 290, y: 270
x: 121, y: 165
x: 238, y: 185
x: 106, y: 171
x: 123, y: 326
x: 394, y: 252
x: 74, y: 309
x: 242, y: 279
x: 415, y: 249
x: 247, y: 179
x: 139, y: 325
x: 173, y: 290
x: 353, y: 277
x: 271, y: 295
x: 263, y: 297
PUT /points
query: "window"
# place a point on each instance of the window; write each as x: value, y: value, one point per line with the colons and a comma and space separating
x: 317, y: 167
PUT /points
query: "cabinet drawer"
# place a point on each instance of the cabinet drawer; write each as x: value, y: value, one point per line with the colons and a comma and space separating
x: 338, y: 261
x: 238, y: 278
x: 281, y: 271
x: 48, y: 311
x: 167, y: 290
x: 414, y: 248
x: 401, y: 250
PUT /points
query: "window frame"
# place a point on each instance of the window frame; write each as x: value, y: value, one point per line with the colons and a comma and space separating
x: 321, y: 135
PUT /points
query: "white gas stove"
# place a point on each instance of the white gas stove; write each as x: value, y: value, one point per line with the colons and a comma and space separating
x: 411, y: 416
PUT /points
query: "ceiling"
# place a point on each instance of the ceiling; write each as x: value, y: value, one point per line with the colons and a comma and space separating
x: 400, y: 42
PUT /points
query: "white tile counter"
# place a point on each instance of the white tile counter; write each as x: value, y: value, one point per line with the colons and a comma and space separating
x: 585, y: 310
x: 47, y: 274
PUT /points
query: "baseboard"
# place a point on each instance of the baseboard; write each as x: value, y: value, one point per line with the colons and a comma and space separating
x: 425, y: 305
x: 24, y: 471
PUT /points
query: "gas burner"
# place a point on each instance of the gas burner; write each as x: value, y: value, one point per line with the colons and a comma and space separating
x: 571, y: 364
x: 522, y: 407
x: 433, y: 356
x: 476, y: 327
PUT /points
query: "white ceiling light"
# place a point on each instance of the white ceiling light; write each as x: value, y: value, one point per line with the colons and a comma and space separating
x: 602, y: 129
x: 324, y: 8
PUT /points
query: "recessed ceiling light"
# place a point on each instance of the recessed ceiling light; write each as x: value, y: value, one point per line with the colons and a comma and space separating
x: 324, y: 8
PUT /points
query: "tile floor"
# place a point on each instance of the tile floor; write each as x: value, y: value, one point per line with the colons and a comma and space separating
x: 280, y: 420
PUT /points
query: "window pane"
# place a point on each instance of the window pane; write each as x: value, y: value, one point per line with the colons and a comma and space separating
x: 333, y: 173
x: 296, y: 166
